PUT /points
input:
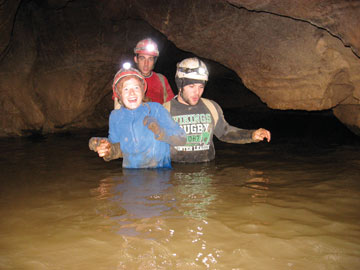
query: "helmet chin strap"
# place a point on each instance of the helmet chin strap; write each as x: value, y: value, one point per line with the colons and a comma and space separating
x: 182, y: 96
x: 181, y: 93
x: 181, y: 90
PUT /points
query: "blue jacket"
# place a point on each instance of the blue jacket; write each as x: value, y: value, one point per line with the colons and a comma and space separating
x: 138, y: 144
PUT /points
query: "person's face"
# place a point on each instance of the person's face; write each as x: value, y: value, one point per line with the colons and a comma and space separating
x: 131, y: 93
x: 145, y: 63
x: 191, y: 94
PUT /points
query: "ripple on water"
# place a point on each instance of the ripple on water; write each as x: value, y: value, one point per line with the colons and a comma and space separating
x: 66, y: 209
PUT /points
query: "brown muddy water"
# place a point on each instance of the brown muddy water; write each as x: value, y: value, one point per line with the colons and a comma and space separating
x: 291, y: 204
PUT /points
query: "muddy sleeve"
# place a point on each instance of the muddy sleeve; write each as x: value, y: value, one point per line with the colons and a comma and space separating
x: 165, y: 128
x: 230, y: 134
x: 115, y: 152
x: 174, y: 140
x: 113, y: 139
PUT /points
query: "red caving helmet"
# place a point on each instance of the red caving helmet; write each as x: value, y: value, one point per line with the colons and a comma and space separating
x: 127, y: 70
x: 147, y: 46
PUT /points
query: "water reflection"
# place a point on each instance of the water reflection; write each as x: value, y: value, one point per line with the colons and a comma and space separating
x: 133, y: 198
x: 259, y: 184
x: 248, y: 209
x: 196, y: 192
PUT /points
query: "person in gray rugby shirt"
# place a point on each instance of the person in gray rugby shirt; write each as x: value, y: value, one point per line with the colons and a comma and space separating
x: 202, y: 118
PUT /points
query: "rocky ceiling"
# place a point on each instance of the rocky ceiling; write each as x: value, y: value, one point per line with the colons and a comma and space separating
x: 58, y: 57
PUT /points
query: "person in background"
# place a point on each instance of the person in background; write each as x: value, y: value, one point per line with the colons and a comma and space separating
x: 141, y: 133
x: 159, y: 89
x: 202, y: 118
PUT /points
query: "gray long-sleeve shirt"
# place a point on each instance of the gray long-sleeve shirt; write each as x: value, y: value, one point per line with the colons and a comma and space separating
x: 199, y: 125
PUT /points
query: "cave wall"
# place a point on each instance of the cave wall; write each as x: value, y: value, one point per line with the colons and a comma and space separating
x: 61, y: 57
x: 339, y: 18
x: 57, y: 58
x: 299, y: 55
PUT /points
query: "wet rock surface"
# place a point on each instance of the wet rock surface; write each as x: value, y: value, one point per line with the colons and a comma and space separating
x: 58, y: 58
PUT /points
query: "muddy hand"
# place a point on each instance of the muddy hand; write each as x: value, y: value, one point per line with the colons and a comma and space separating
x: 94, y: 142
x: 104, y: 148
x: 153, y: 125
x: 100, y: 145
x: 261, y: 134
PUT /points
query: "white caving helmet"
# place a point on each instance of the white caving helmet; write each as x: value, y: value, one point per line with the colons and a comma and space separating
x: 189, y: 71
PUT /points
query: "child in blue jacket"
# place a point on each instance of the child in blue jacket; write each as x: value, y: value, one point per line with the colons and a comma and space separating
x: 141, y: 133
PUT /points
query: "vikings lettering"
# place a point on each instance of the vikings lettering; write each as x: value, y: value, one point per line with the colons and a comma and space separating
x: 197, y: 130
x: 192, y: 119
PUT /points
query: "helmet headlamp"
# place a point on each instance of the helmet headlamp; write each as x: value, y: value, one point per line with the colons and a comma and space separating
x: 198, y: 70
x: 147, y: 46
x: 150, y: 47
x: 126, y: 65
x: 191, y: 68
x: 201, y: 70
